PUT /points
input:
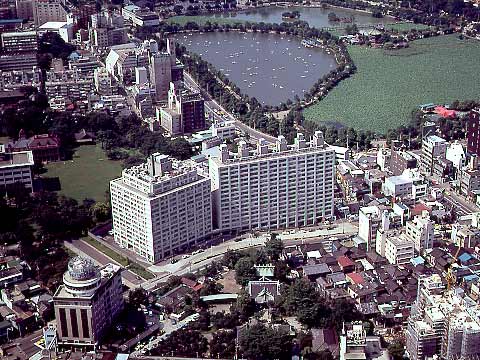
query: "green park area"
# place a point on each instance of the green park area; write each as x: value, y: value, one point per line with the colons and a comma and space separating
x: 388, y: 85
x: 86, y: 175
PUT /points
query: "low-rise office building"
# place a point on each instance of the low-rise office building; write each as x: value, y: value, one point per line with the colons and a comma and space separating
x: 421, y: 232
x: 15, y: 168
x: 87, y: 303
x: 20, y: 41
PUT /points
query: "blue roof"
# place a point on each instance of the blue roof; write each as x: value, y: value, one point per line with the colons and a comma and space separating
x: 11, y: 21
x: 464, y: 257
x: 418, y: 261
x: 469, y: 278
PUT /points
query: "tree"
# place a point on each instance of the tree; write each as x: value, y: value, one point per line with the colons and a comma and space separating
x: 52, y: 43
x: 222, y: 344
x: 137, y: 297
x: 259, y: 342
x: 351, y: 29
x: 182, y: 343
x: 244, y: 271
x: 396, y: 350
x: 302, y: 300
x: 245, y: 306
x: 274, y: 247
x: 210, y: 288
x: 231, y: 258
x: 332, y: 17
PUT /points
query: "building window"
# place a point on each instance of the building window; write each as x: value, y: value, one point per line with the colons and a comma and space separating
x: 63, y: 322
x: 73, y: 319
x: 85, y: 325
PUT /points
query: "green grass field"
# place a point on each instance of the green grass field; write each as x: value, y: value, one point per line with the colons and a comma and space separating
x: 406, y: 26
x: 388, y: 85
x: 87, y: 175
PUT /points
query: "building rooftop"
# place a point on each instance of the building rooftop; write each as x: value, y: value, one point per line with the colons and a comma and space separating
x: 54, y: 25
x: 21, y: 158
x: 19, y: 33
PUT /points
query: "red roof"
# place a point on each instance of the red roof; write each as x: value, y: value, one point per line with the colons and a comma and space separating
x: 419, y: 208
x: 355, y: 278
x: 444, y: 112
x: 344, y: 261
x: 190, y: 283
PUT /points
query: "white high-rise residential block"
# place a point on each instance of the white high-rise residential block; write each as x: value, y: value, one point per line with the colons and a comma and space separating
x: 289, y: 187
x: 161, y: 207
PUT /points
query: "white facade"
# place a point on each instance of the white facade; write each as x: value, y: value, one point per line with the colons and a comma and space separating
x: 161, y: 207
x: 421, y: 232
x: 433, y: 147
x: 398, y: 249
x: 369, y: 219
x: 16, y: 168
x: 397, y: 186
x: 49, y: 10
x: 457, y: 155
x: 442, y: 323
x: 62, y: 28
x: 289, y: 187
x: 224, y: 130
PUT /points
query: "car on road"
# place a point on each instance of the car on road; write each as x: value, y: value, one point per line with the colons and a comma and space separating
x: 173, y: 261
x: 186, y: 256
x: 196, y: 252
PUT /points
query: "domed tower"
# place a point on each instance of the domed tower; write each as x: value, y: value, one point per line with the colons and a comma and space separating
x: 82, y: 278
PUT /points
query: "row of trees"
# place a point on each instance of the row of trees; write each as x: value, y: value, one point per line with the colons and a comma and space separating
x: 39, y: 223
x: 449, y: 129
x: 124, y: 137
x: 438, y: 13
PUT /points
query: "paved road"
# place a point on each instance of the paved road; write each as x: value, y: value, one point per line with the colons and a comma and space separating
x: 211, y: 105
x: 193, y: 263
x: 101, y: 259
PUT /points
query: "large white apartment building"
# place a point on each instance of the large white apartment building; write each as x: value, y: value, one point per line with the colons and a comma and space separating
x: 398, y: 249
x: 291, y: 186
x: 161, y: 207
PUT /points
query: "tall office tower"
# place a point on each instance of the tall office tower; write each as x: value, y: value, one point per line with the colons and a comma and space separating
x: 185, y: 113
x: 160, y: 74
x: 107, y: 29
x: 434, y: 148
x: 161, y: 207
x: 49, y: 10
x: 87, y: 302
x: 24, y: 9
x: 289, y: 187
x: 473, y: 132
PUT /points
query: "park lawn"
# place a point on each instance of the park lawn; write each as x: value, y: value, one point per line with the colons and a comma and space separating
x: 87, y: 175
x: 388, y: 85
x: 406, y: 26
x: 201, y: 20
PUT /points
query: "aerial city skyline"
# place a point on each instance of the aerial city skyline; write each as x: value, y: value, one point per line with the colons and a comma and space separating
x: 239, y: 179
